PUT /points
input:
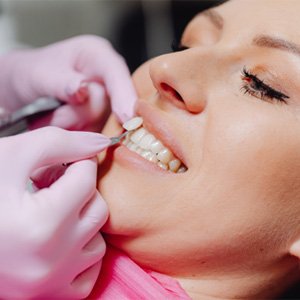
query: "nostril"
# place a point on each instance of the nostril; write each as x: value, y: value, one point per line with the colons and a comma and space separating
x: 170, y: 90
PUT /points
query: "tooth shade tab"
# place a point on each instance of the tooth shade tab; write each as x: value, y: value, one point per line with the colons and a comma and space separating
x: 133, y: 124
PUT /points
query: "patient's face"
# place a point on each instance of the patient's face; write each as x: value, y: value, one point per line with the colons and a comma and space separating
x: 229, y: 108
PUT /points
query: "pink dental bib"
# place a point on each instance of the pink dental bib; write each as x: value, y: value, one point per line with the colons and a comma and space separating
x: 123, y: 279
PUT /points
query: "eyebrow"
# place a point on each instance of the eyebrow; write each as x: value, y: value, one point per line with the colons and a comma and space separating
x: 260, y: 40
x: 277, y: 43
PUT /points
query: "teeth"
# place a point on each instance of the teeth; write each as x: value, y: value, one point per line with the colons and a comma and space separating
x: 182, y: 169
x: 137, y: 135
x: 153, y: 158
x: 133, y: 123
x: 164, y: 155
x: 174, y: 165
x: 139, y: 150
x: 163, y: 166
x: 156, y: 146
x: 146, y: 154
x: 132, y: 146
x: 147, y: 146
x: 146, y: 141
x: 126, y: 140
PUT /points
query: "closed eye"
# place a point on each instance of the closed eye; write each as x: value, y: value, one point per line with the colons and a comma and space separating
x: 254, y: 86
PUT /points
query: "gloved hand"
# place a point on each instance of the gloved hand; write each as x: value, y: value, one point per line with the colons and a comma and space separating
x: 80, y: 71
x: 51, y: 247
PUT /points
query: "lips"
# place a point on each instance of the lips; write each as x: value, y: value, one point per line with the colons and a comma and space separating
x: 161, y: 129
x: 145, y: 144
x: 154, y: 142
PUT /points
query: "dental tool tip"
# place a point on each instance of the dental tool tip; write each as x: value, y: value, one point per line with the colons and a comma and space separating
x: 117, y: 139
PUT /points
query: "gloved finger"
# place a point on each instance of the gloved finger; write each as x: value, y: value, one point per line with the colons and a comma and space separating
x: 77, y: 117
x: 49, y: 146
x: 116, y: 78
x: 80, y: 95
x: 120, y: 88
x: 92, y: 217
x: 64, y: 85
x: 94, y: 250
x: 70, y: 193
x: 45, y: 176
x: 84, y: 283
x: 89, y: 265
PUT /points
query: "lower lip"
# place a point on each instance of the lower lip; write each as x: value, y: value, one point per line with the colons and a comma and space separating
x: 132, y: 160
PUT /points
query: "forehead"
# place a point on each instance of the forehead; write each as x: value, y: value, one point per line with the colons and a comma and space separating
x: 246, y: 18
x: 276, y: 17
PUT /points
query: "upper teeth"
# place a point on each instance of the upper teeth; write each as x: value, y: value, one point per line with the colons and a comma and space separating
x: 146, y: 145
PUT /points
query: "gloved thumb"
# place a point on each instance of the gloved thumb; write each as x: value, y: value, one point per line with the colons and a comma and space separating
x: 45, y: 176
x: 78, y: 117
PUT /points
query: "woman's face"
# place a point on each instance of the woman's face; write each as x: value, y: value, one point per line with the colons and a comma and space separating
x: 229, y: 108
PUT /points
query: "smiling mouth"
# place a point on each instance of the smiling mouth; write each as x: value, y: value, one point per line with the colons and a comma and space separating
x: 145, y: 144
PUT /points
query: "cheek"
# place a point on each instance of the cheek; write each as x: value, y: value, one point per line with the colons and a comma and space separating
x: 247, y: 188
x: 253, y: 140
x: 254, y: 164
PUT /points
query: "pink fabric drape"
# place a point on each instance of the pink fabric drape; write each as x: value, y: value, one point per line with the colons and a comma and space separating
x: 123, y: 279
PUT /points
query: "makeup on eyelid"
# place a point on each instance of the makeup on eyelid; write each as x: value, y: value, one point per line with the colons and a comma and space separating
x: 268, y: 76
x: 256, y: 87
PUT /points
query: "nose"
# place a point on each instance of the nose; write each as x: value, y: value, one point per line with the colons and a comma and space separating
x: 181, y: 79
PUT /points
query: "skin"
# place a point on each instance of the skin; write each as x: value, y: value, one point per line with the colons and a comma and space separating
x: 228, y: 228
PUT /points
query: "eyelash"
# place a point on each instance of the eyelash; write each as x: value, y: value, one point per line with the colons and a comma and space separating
x: 257, y: 88
x: 252, y: 86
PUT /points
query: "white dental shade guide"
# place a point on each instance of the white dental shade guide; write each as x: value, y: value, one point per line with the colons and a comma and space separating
x: 133, y: 123
x: 130, y: 125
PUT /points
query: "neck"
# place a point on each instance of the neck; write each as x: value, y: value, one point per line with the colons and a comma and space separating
x: 263, y: 284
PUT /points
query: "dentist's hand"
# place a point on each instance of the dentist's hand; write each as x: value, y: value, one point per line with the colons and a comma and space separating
x: 83, y: 71
x: 51, y: 247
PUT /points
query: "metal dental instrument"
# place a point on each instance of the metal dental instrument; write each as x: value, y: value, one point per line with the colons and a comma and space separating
x: 16, y: 122
x: 117, y: 139
x: 114, y: 140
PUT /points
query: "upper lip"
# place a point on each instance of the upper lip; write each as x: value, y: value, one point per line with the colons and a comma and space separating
x: 161, y: 129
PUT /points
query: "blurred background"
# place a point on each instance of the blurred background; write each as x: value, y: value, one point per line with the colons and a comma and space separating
x: 138, y: 29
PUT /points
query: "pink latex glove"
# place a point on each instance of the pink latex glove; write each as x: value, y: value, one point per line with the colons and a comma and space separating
x: 51, y: 247
x: 80, y: 71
